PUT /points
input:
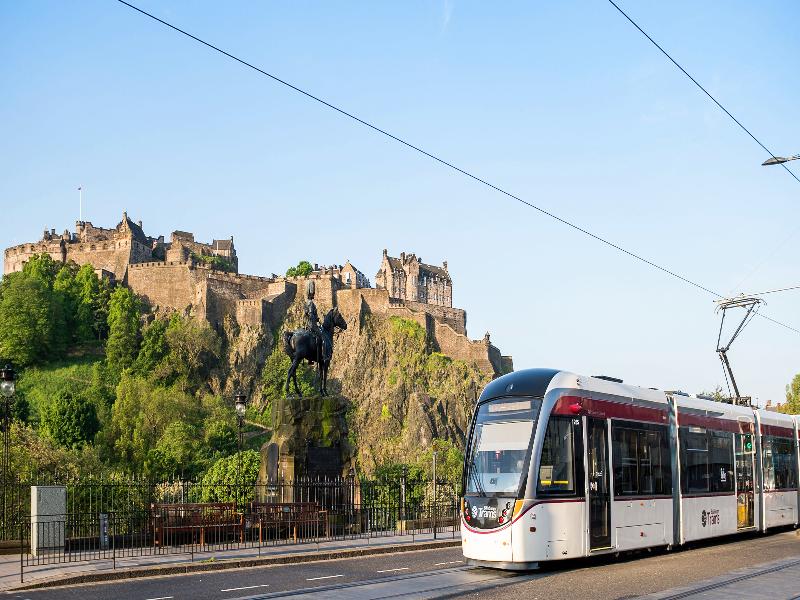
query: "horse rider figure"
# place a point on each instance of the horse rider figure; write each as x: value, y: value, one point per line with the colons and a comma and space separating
x: 323, y: 344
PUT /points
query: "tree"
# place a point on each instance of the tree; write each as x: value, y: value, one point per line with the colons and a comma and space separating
x: 66, y: 296
x: 42, y: 267
x: 194, y: 349
x: 70, y: 420
x: 302, y: 269
x: 175, y: 452
x: 223, y: 482
x: 26, y: 325
x: 153, y: 349
x: 792, y: 404
x: 92, y: 307
x: 123, y: 330
x: 141, y: 415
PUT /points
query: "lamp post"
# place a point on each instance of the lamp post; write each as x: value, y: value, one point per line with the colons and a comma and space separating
x: 240, y: 401
x: 7, y: 389
x: 779, y: 160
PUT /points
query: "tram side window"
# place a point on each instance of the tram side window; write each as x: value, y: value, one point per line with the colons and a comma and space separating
x: 641, y: 460
x: 561, y: 464
x: 694, y: 459
x: 721, y: 476
x: 780, y: 463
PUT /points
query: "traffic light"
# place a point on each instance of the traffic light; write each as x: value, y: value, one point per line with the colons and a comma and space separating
x: 748, y: 442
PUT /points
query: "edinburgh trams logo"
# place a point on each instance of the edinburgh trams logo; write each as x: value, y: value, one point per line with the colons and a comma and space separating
x: 484, y: 512
x: 710, y: 517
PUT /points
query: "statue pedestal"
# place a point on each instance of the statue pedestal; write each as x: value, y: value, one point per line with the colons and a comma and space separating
x: 309, y: 439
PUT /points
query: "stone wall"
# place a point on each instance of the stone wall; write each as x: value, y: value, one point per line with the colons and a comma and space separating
x: 167, y: 285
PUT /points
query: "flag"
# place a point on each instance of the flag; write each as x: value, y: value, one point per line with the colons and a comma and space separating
x: 80, y: 187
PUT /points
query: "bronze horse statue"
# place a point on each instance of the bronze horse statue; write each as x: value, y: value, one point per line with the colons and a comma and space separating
x: 303, y: 344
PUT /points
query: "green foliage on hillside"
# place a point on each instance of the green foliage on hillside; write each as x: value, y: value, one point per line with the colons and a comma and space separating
x: 41, y: 384
x: 70, y: 419
x: 302, y: 269
x: 48, y: 308
x: 124, y: 310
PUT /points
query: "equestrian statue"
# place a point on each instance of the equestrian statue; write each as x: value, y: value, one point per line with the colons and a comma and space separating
x: 314, y: 343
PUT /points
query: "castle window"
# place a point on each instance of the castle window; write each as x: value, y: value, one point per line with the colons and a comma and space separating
x: 105, y: 246
x: 92, y: 247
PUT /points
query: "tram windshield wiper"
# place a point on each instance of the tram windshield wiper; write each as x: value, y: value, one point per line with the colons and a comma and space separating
x: 476, y: 478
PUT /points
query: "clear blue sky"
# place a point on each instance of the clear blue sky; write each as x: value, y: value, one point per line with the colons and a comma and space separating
x: 564, y: 104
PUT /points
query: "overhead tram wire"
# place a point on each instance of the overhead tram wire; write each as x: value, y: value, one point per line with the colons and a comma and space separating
x: 775, y: 291
x: 704, y: 90
x: 438, y: 159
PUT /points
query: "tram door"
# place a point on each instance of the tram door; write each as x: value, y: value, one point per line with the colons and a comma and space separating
x: 745, y: 490
x: 599, y: 491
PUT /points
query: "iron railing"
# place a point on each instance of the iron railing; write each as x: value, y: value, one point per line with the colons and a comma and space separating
x: 109, y: 519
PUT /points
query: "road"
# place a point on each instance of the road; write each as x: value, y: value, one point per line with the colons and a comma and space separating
x: 441, y: 573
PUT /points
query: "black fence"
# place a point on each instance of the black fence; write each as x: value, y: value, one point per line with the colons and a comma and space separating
x: 121, y: 519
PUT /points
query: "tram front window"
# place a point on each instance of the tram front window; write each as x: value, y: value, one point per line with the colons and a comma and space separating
x: 500, y: 446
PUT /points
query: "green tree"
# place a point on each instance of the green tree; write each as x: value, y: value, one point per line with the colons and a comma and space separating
x: 219, y: 426
x: 66, y: 297
x: 223, y: 482
x: 153, y: 349
x: 92, y: 307
x: 26, y: 324
x: 123, y: 326
x: 142, y: 413
x: 792, y: 404
x: 302, y: 269
x: 175, y: 452
x: 70, y: 420
x: 42, y: 267
x: 194, y: 349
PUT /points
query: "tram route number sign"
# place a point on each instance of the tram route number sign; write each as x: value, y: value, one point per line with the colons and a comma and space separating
x: 710, y: 517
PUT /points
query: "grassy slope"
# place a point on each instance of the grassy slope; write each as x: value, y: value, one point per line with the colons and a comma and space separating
x: 40, y: 384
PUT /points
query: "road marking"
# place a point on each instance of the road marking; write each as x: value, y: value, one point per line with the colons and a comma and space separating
x: 325, y: 577
x: 393, y: 570
x: 161, y: 598
x: 247, y: 587
x: 450, y: 562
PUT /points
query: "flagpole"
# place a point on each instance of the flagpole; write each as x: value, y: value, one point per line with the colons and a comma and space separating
x: 80, y: 203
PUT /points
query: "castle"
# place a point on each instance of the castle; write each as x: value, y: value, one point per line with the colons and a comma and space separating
x: 204, y: 280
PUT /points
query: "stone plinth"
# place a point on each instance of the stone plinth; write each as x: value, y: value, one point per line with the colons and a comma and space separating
x: 48, y: 517
x: 309, y: 438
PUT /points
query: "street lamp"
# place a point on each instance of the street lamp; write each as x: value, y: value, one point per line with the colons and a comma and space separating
x: 240, y: 402
x: 779, y: 160
x: 7, y: 389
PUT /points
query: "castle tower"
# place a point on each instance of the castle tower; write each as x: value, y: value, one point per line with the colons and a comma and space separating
x: 408, y: 278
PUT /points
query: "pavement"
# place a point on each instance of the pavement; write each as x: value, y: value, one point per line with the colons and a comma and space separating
x: 171, y: 564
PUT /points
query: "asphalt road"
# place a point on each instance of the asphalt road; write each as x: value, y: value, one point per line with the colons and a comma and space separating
x: 441, y: 573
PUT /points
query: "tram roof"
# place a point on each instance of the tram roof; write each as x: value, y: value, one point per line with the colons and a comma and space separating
x: 536, y: 382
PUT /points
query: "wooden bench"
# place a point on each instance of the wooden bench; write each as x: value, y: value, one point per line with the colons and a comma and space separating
x: 214, y: 518
x: 289, y: 516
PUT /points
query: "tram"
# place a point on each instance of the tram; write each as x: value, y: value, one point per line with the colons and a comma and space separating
x: 560, y: 466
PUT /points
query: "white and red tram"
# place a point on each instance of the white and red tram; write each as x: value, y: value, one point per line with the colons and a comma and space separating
x: 561, y: 466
